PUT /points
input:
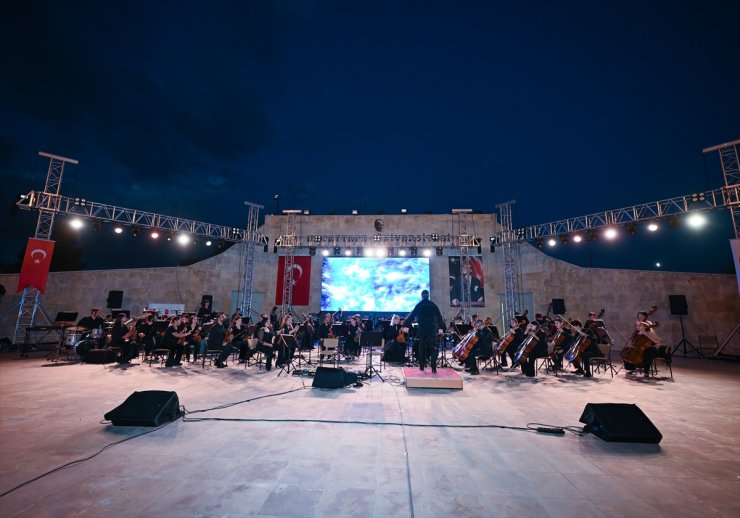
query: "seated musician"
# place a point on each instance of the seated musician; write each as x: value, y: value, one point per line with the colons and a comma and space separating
x: 488, y: 322
x: 516, y: 326
x: 583, y: 367
x: 539, y: 350
x: 94, y: 321
x: 394, y: 347
x: 286, y: 327
x: 120, y: 338
x: 204, y: 311
x: 216, y: 337
x: 324, y: 330
x: 145, y: 333
x: 655, y: 349
x: 189, y: 326
x: 266, y: 342
x: 563, y: 339
x: 239, y: 332
x: 352, y: 336
x: 482, y: 348
x: 171, y: 341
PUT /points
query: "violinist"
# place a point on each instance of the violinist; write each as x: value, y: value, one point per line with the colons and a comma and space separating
x: 325, y: 329
x: 394, y: 346
x: 583, y: 368
x: 352, y: 336
x: 284, y: 352
x: 483, y: 347
x: 307, y: 332
x: 171, y: 341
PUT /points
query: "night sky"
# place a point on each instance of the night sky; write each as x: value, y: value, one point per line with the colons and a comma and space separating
x: 191, y: 108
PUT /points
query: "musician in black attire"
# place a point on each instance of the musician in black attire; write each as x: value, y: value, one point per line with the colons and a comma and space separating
x: 171, y: 341
x: 482, y: 348
x: 517, y: 326
x: 567, y: 341
x: 205, y: 311
x: 430, y: 323
x: 127, y: 347
x: 324, y: 329
x: 266, y: 343
x: 216, y: 341
x: 394, y: 347
x: 584, y: 368
x: 538, y: 351
x: 145, y: 333
x: 94, y: 321
x: 352, y: 336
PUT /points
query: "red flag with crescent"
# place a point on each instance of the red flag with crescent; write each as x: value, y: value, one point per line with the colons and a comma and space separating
x: 301, y: 280
x: 36, y: 263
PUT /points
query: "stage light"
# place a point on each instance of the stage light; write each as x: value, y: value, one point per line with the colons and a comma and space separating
x: 402, y: 252
x: 577, y: 238
x: 435, y: 237
x: 266, y: 243
x: 380, y: 252
x: 361, y: 251
x: 325, y: 252
x: 311, y: 251
x: 81, y: 202
x: 354, y: 212
x: 493, y: 244
x: 674, y: 222
x: 657, y: 265
x: 220, y: 244
x: 389, y: 251
x: 118, y: 230
x: 404, y: 211
x: 169, y: 236
x: 348, y: 252
x: 540, y: 242
x: 631, y: 228
x: 377, y: 238
x: 610, y: 233
x: 154, y: 234
x: 427, y: 252
x: 183, y: 239
x: 97, y: 224
x: 413, y: 250
x: 209, y: 243
x: 306, y: 212
x: 136, y: 231
x: 551, y: 242
x: 440, y: 250
x: 337, y: 250
x: 76, y: 223
x: 652, y: 226
x: 696, y: 220
x: 593, y: 235
x: 564, y: 239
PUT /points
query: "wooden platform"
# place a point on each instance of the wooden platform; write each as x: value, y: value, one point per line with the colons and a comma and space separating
x: 443, y: 379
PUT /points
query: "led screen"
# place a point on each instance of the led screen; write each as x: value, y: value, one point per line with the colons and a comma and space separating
x: 391, y: 284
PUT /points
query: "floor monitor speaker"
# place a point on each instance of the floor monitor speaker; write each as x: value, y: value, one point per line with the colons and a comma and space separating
x: 619, y: 422
x: 147, y: 408
x: 328, y: 377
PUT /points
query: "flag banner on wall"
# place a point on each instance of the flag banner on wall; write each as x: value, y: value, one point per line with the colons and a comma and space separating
x: 476, y: 282
x: 36, y: 263
x: 301, y: 280
x: 735, y: 244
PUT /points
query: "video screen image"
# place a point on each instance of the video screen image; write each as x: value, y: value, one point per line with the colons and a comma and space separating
x: 390, y: 284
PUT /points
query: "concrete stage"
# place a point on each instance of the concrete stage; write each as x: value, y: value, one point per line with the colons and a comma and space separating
x: 249, y: 465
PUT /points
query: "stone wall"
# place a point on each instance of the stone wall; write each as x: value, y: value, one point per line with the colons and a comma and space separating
x: 713, y: 300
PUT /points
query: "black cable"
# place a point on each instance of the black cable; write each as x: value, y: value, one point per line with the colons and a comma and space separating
x: 78, y: 461
x: 228, y: 405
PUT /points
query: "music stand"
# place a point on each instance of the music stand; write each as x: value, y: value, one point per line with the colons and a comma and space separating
x: 370, y: 339
x: 684, y: 342
x: 66, y: 316
x: 442, y: 360
x: 289, y: 342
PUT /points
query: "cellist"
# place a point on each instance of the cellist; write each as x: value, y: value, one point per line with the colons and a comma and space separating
x: 483, y: 347
x: 584, y: 369
x: 654, y: 349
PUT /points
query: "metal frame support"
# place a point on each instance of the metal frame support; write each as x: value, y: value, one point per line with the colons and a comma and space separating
x: 288, y: 241
x: 728, y: 157
x: 511, y: 288
x: 464, y: 241
x: 251, y: 238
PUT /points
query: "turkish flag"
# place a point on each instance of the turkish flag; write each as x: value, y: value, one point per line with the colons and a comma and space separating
x: 36, y: 262
x: 301, y: 280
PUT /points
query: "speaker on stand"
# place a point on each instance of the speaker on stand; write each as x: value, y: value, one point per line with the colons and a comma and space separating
x: 115, y: 299
x: 558, y: 307
x: 680, y: 307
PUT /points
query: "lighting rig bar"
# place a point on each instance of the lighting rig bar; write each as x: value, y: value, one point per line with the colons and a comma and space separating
x: 714, y: 199
x: 46, y: 202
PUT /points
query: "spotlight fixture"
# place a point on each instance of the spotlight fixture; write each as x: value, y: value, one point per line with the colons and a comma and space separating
x: 404, y: 211
x: 220, y: 244
x: 610, y: 233
x: 311, y: 251
x: 696, y: 220
x: 540, y: 242
x: 209, y: 243
x: 389, y: 251
x: 183, y: 239
x: 325, y: 252
x: 652, y: 226
x: 154, y: 234
x: 551, y: 242
x: 80, y: 202
x: 674, y: 222
x: 348, y: 252
x: 427, y: 252
x: 631, y: 228
x: 354, y: 212
x: 564, y: 239
x: 136, y: 231
x: 402, y: 252
x: 377, y: 238
x: 440, y: 250
x: 118, y: 230
x: 361, y: 251
x: 480, y: 250
x: 169, y: 236
x: 657, y: 265
x: 435, y: 237
x: 306, y: 212
x: 593, y: 235
x: 413, y: 251
x: 97, y: 224
x: 266, y: 241
x: 337, y: 250
x: 76, y: 223
x: 577, y: 238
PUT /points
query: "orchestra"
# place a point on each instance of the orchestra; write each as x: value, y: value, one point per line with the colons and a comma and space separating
x: 559, y: 338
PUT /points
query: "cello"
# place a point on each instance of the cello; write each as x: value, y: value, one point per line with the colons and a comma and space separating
x: 634, y: 349
x: 506, y: 341
x: 526, y: 347
x: 462, y: 349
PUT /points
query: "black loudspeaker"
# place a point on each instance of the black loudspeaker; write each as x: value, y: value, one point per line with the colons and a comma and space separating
x: 558, y: 307
x: 328, y: 377
x: 115, y: 299
x: 100, y: 356
x: 148, y: 408
x: 208, y: 298
x: 619, y: 422
x: 678, y: 304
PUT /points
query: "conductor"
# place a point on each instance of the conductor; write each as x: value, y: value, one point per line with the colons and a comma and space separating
x: 431, y: 323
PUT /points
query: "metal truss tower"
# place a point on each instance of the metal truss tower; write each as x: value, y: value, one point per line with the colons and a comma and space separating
x: 511, y: 288
x: 464, y: 241
x: 728, y: 156
x: 31, y: 297
x: 251, y: 237
x: 288, y: 241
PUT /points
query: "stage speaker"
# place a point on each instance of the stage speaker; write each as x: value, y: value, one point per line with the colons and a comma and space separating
x: 115, y: 299
x: 678, y: 304
x: 619, y: 422
x: 558, y: 307
x: 100, y: 356
x: 328, y: 377
x: 148, y: 408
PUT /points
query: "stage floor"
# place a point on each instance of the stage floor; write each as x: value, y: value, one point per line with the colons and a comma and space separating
x: 379, y: 450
